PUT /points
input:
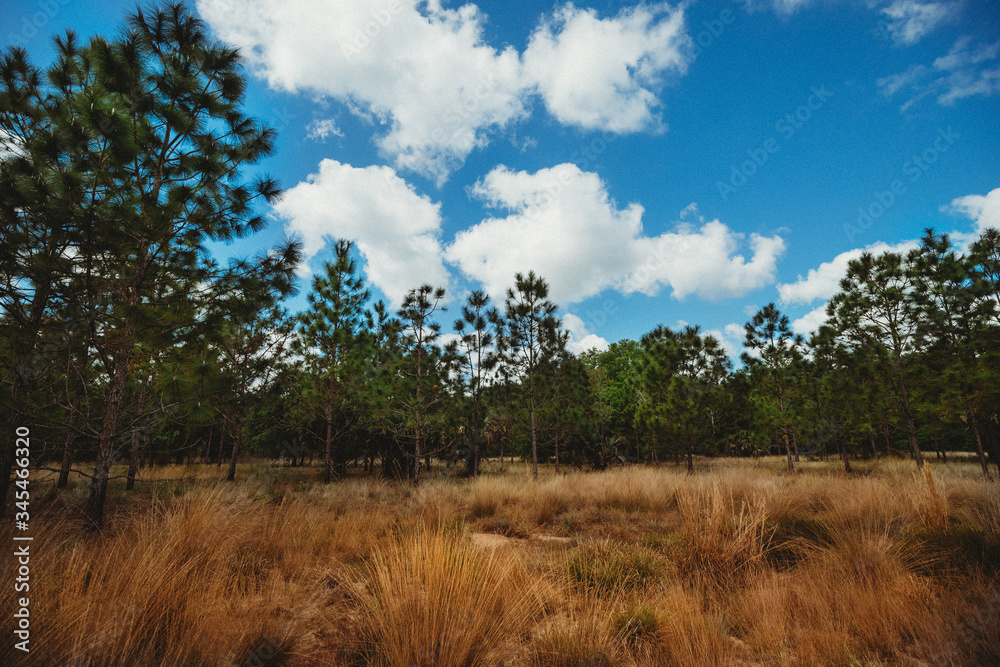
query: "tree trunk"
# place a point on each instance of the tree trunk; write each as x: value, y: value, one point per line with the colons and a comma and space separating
x: 67, y: 457
x: 478, y: 445
x: 534, y: 433
x: 106, y: 441
x: 690, y: 456
x: 979, y: 444
x: 133, y: 461
x: 237, y: 445
x: 557, y: 451
x: 911, y: 425
x: 843, y: 450
x: 218, y: 459
x: 135, y: 453
x: 327, y: 464
x: 788, y: 453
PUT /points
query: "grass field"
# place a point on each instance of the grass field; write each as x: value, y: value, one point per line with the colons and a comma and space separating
x: 738, y: 564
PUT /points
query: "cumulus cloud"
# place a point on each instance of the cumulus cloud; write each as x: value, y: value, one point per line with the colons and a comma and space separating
x: 965, y: 71
x: 562, y: 224
x: 580, y: 338
x: 983, y: 210
x: 810, y: 323
x: 910, y: 20
x: 730, y: 337
x: 396, y: 230
x: 420, y: 71
x: 434, y: 86
x: 824, y: 281
x: 602, y: 74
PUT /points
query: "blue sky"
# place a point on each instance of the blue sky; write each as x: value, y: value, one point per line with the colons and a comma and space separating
x: 657, y: 163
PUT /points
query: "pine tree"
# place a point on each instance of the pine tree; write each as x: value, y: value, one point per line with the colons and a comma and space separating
x: 333, y: 338
x: 140, y: 143
x: 773, y: 372
x: 479, y: 328
x: 529, y: 338
x: 421, y: 365
x: 871, y: 314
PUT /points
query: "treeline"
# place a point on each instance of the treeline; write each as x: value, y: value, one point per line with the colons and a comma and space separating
x: 125, y: 341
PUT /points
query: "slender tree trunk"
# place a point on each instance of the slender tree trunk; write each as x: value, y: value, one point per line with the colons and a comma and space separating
x: 690, y: 455
x: 132, y: 461
x: 871, y: 438
x: 416, y: 447
x: 237, y: 445
x: 106, y: 441
x: 477, y: 446
x: 788, y: 453
x: 534, y: 433
x: 218, y: 459
x: 843, y: 450
x: 67, y: 457
x: 327, y: 464
x: 911, y: 425
x: 557, y: 451
x: 135, y: 453
x: 979, y: 443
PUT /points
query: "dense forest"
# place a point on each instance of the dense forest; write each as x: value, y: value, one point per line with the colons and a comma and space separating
x: 125, y: 342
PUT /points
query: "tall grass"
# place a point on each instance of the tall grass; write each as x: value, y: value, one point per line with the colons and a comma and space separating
x: 740, y: 563
x: 434, y: 601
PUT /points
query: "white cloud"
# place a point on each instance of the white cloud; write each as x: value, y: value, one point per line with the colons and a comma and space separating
x: 892, y: 84
x: 396, y: 229
x: 426, y: 76
x: 788, y: 7
x: 912, y: 19
x: 704, y: 262
x: 563, y: 225
x: 968, y: 84
x: 965, y: 71
x: 10, y: 145
x: 811, y: 321
x: 824, y: 281
x: 321, y: 128
x: 422, y: 72
x: 983, y: 210
x: 960, y: 55
x: 580, y: 338
x: 730, y: 337
x: 783, y: 8
x: 601, y: 74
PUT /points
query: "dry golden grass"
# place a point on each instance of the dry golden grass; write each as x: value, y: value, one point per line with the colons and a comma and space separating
x: 739, y: 564
x: 434, y: 601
